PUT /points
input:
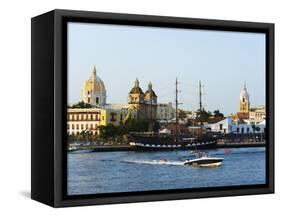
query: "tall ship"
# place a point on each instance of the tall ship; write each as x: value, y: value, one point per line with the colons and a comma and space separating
x: 175, y: 140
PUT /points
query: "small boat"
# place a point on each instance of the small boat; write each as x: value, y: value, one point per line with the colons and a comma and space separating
x: 72, y: 148
x: 228, y: 151
x: 203, y: 160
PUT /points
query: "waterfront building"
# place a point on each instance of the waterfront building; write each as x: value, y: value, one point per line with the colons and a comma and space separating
x: 257, y: 114
x: 142, y: 105
x: 165, y: 111
x: 89, y: 119
x: 228, y: 125
x: 83, y: 120
x: 93, y: 90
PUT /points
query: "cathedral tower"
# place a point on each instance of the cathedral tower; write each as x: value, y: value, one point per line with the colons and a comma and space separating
x: 143, y: 104
x: 244, y: 100
x: 150, y: 99
x: 136, y: 100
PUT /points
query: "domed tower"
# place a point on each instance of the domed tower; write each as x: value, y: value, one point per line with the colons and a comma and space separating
x: 150, y: 99
x: 136, y: 94
x: 244, y: 100
x: 136, y: 100
x: 93, y: 90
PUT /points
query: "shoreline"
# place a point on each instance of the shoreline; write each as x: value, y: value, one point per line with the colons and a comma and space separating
x: 113, y: 148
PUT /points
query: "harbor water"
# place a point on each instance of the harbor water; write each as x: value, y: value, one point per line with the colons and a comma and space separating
x: 127, y: 171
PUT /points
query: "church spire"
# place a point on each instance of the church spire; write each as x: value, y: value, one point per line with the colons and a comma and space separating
x: 137, y: 83
x: 95, y: 71
x: 245, y: 87
x: 150, y: 86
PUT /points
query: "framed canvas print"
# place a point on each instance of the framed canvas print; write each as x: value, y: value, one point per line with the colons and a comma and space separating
x: 133, y: 108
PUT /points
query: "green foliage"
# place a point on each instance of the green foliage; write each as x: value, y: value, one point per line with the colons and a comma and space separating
x: 137, y: 125
x: 218, y: 114
x: 81, y: 105
x: 156, y: 126
x: 133, y: 125
x: 203, y: 115
x: 258, y: 128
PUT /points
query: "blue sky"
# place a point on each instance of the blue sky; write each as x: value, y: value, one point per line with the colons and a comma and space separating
x: 222, y: 60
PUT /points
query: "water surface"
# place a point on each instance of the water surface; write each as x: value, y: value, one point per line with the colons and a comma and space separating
x: 127, y: 171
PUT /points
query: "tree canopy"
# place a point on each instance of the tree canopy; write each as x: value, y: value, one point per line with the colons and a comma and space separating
x: 81, y: 104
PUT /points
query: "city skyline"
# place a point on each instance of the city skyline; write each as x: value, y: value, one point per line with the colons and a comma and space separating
x: 123, y: 53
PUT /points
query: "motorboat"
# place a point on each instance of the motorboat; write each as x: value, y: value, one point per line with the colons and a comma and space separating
x: 203, y: 160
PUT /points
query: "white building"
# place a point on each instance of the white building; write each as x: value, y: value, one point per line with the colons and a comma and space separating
x: 79, y: 120
x: 228, y: 126
x: 93, y: 90
x: 165, y: 111
x: 257, y: 114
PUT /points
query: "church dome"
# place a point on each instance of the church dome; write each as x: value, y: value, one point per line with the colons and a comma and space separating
x: 95, y: 83
x: 93, y: 90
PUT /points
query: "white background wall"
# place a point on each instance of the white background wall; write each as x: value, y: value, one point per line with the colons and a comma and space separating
x: 15, y: 107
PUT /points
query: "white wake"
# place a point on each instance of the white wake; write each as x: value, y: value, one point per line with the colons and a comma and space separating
x: 157, y: 162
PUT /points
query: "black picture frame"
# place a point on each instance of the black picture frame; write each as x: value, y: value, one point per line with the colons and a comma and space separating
x: 48, y: 69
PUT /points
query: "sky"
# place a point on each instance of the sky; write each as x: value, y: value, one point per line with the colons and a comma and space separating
x: 222, y: 60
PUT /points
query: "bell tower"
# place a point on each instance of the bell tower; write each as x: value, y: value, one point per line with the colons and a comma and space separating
x: 244, y: 100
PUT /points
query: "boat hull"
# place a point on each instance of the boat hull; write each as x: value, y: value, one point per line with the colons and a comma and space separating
x: 173, y: 146
x: 205, y: 162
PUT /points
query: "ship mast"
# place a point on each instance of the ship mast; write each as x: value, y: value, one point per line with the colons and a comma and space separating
x: 177, y: 121
x: 200, y: 106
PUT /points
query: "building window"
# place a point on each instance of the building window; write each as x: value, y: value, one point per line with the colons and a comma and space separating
x: 112, y: 116
x: 68, y: 126
x: 220, y: 126
x: 91, y: 117
x: 97, y: 117
x: 248, y: 129
x: 89, y: 100
x: 97, y: 100
x: 86, y: 126
x: 238, y: 129
x: 77, y: 126
x: 242, y: 129
x: 82, y: 126
x: 72, y: 126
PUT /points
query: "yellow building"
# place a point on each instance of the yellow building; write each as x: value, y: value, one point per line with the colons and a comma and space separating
x: 111, y: 116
